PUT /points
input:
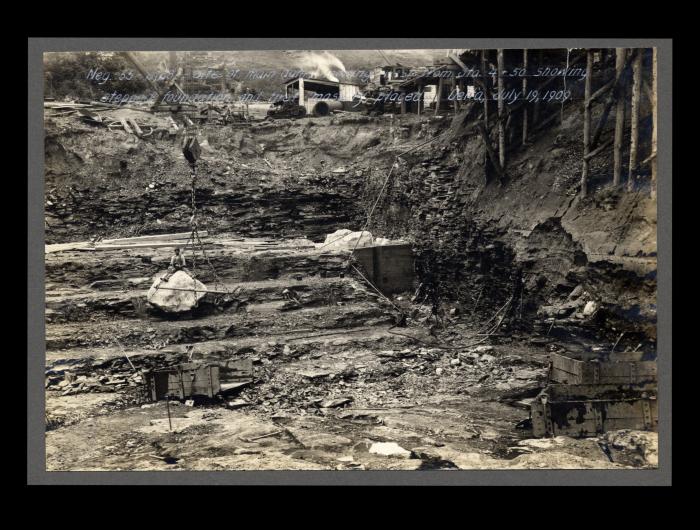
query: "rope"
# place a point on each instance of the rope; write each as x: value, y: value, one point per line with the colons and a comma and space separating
x: 393, y: 166
x: 489, y: 332
x: 378, y: 291
x: 379, y: 196
x: 486, y: 336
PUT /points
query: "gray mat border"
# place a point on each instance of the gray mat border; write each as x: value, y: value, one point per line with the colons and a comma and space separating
x: 36, y: 451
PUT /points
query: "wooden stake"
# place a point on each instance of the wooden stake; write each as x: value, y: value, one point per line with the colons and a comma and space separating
x: 654, y: 97
x: 634, y: 131
x: 586, y: 123
x: 620, y: 54
x: 501, y: 123
x: 167, y: 405
x: 525, y: 95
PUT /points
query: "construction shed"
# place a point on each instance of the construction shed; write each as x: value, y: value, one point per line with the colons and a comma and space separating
x: 321, y: 96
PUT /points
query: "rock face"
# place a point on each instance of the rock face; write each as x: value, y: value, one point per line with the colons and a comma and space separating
x: 168, y: 296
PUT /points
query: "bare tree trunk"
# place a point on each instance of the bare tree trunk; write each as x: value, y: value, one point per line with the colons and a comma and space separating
x: 654, y: 97
x: 525, y: 95
x: 536, y: 110
x: 619, y: 117
x: 586, y: 123
x: 634, y: 128
x: 501, y: 124
x: 484, y: 78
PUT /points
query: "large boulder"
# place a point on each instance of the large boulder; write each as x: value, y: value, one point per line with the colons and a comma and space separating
x: 180, y: 293
x: 345, y: 239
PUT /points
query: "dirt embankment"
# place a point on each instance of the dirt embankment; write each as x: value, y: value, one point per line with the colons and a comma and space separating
x: 530, y: 235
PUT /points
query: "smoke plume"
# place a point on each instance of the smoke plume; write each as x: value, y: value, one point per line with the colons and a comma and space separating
x: 321, y: 65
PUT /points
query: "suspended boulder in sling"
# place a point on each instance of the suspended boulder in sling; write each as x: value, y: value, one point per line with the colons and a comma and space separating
x: 180, y: 293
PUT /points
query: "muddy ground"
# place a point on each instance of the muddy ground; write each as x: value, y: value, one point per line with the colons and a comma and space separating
x: 333, y: 375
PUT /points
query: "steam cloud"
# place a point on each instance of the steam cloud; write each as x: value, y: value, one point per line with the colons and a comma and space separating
x: 321, y: 64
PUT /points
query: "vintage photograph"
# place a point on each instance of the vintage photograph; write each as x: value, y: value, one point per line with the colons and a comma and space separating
x: 391, y: 259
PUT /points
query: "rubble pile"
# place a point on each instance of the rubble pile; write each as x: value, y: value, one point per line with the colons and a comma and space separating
x: 386, y: 378
x: 114, y: 375
x: 528, y: 236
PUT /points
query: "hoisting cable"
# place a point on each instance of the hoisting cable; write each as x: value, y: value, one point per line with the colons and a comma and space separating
x: 393, y: 166
x: 191, y: 151
x: 489, y: 331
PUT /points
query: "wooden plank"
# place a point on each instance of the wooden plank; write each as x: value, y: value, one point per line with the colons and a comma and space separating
x: 626, y: 356
x: 136, y: 127
x: 242, y: 368
x: 600, y: 392
x: 161, y: 288
x: 234, y: 385
x: 126, y: 126
x: 566, y: 364
x: 588, y: 418
x: 148, y: 245
x: 189, y: 379
x: 154, y: 237
x: 66, y: 247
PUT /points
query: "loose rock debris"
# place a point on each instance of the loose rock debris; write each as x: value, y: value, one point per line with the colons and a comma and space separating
x: 510, y: 279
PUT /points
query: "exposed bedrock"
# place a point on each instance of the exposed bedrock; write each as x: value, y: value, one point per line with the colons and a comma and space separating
x: 589, y: 262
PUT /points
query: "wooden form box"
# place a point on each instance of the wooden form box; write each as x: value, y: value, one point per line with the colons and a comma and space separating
x: 183, y: 381
x: 235, y: 374
x: 618, y: 369
x: 389, y: 267
x: 588, y: 410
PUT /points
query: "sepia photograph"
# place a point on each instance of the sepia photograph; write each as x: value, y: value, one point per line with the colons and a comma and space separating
x: 407, y: 259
